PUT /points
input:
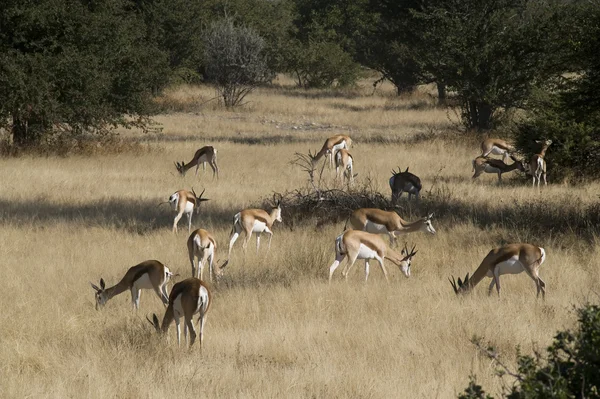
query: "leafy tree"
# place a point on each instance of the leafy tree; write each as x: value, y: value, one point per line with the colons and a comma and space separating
x: 80, y: 65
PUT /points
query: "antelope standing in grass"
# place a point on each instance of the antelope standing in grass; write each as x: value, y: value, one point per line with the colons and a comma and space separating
x: 187, y: 202
x: 357, y: 244
x: 254, y: 221
x: 377, y: 221
x: 496, y: 147
x: 187, y: 298
x: 150, y: 274
x: 489, y: 165
x: 508, y: 259
x: 537, y: 165
x: 331, y: 146
x: 202, y: 245
x: 344, y: 165
x: 401, y: 182
x: 202, y: 156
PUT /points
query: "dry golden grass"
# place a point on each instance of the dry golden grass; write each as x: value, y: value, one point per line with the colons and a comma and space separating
x: 276, y: 329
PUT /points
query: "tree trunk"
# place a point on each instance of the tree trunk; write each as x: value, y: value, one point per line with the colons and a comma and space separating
x: 404, y: 89
x: 27, y: 131
x: 441, y: 89
x: 478, y: 115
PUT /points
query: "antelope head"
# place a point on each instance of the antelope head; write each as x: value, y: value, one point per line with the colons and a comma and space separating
x: 220, y: 269
x: 518, y: 162
x: 155, y: 323
x: 460, y: 287
x: 427, y: 226
x: 199, y: 199
x: 180, y: 167
x: 406, y: 261
x: 101, y: 296
x: 277, y: 206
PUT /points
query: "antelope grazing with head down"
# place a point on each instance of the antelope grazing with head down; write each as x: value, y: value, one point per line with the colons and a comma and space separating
x: 489, y: 165
x: 376, y: 221
x: 202, y: 156
x: 344, y: 165
x: 202, y: 245
x: 187, y: 298
x: 404, y: 182
x: 150, y: 274
x: 508, y: 259
x: 496, y: 147
x: 331, y: 146
x: 357, y: 244
x: 187, y: 202
x: 254, y: 221
x: 537, y: 165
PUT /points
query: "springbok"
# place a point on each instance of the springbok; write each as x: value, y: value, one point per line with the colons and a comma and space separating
x: 401, y: 182
x: 490, y: 165
x: 496, y: 147
x: 202, y: 156
x: 187, y: 202
x: 331, y: 146
x: 150, y: 274
x: 537, y: 165
x: 357, y: 244
x: 377, y: 221
x: 344, y: 165
x: 202, y: 245
x: 508, y: 259
x: 254, y: 221
x: 187, y: 298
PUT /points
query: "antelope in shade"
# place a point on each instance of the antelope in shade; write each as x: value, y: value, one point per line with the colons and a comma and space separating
x: 187, y: 298
x: 537, y: 165
x: 344, y: 165
x: 331, y: 146
x: 150, y: 274
x: 357, y: 244
x: 508, y: 259
x: 496, y: 147
x: 489, y: 165
x: 202, y: 245
x: 187, y: 202
x: 401, y: 182
x: 202, y: 156
x: 377, y: 221
x: 254, y: 221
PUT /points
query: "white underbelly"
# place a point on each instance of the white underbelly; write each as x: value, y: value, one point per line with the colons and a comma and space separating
x: 177, y: 308
x: 497, y: 151
x: 143, y: 282
x: 365, y: 252
x: 189, y: 207
x: 339, y: 146
x: 375, y: 228
x: 510, y: 266
x: 259, y: 226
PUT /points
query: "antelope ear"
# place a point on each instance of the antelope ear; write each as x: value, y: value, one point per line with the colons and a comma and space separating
x: 460, y: 283
x: 204, y: 199
x: 102, y: 283
x: 466, y: 278
x: 94, y: 286
x: 155, y: 321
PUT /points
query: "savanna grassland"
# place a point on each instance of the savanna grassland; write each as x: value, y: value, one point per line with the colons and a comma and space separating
x: 276, y: 328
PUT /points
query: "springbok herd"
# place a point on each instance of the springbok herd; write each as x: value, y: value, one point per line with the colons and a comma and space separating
x: 363, y: 241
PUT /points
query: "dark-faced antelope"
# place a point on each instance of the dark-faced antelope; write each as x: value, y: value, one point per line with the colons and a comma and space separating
x: 508, y: 259
x: 376, y: 221
x: 202, y: 245
x: 490, y: 165
x: 187, y: 202
x: 150, y: 274
x: 187, y: 298
x: 357, y: 244
x: 496, y: 147
x: 344, y: 165
x: 202, y: 156
x: 537, y: 165
x: 402, y: 182
x: 254, y: 221
x: 331, y: 146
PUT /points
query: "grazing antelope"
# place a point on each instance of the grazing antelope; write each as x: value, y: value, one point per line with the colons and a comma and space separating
x: 202, y: 245
x: 508, y: 259
x: 183, y: 201
x: 150, y: 274
x: 537, y: 165
x: 401, y: 182
x: 331, y: 146
x: 357, y: 244
x: 202, y: 156
x: 496, y: 147
x: 376, y: 221
x: 187, y: 298
x: 490, y: 165
x: 344, y: 165
x: 254, y: 221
